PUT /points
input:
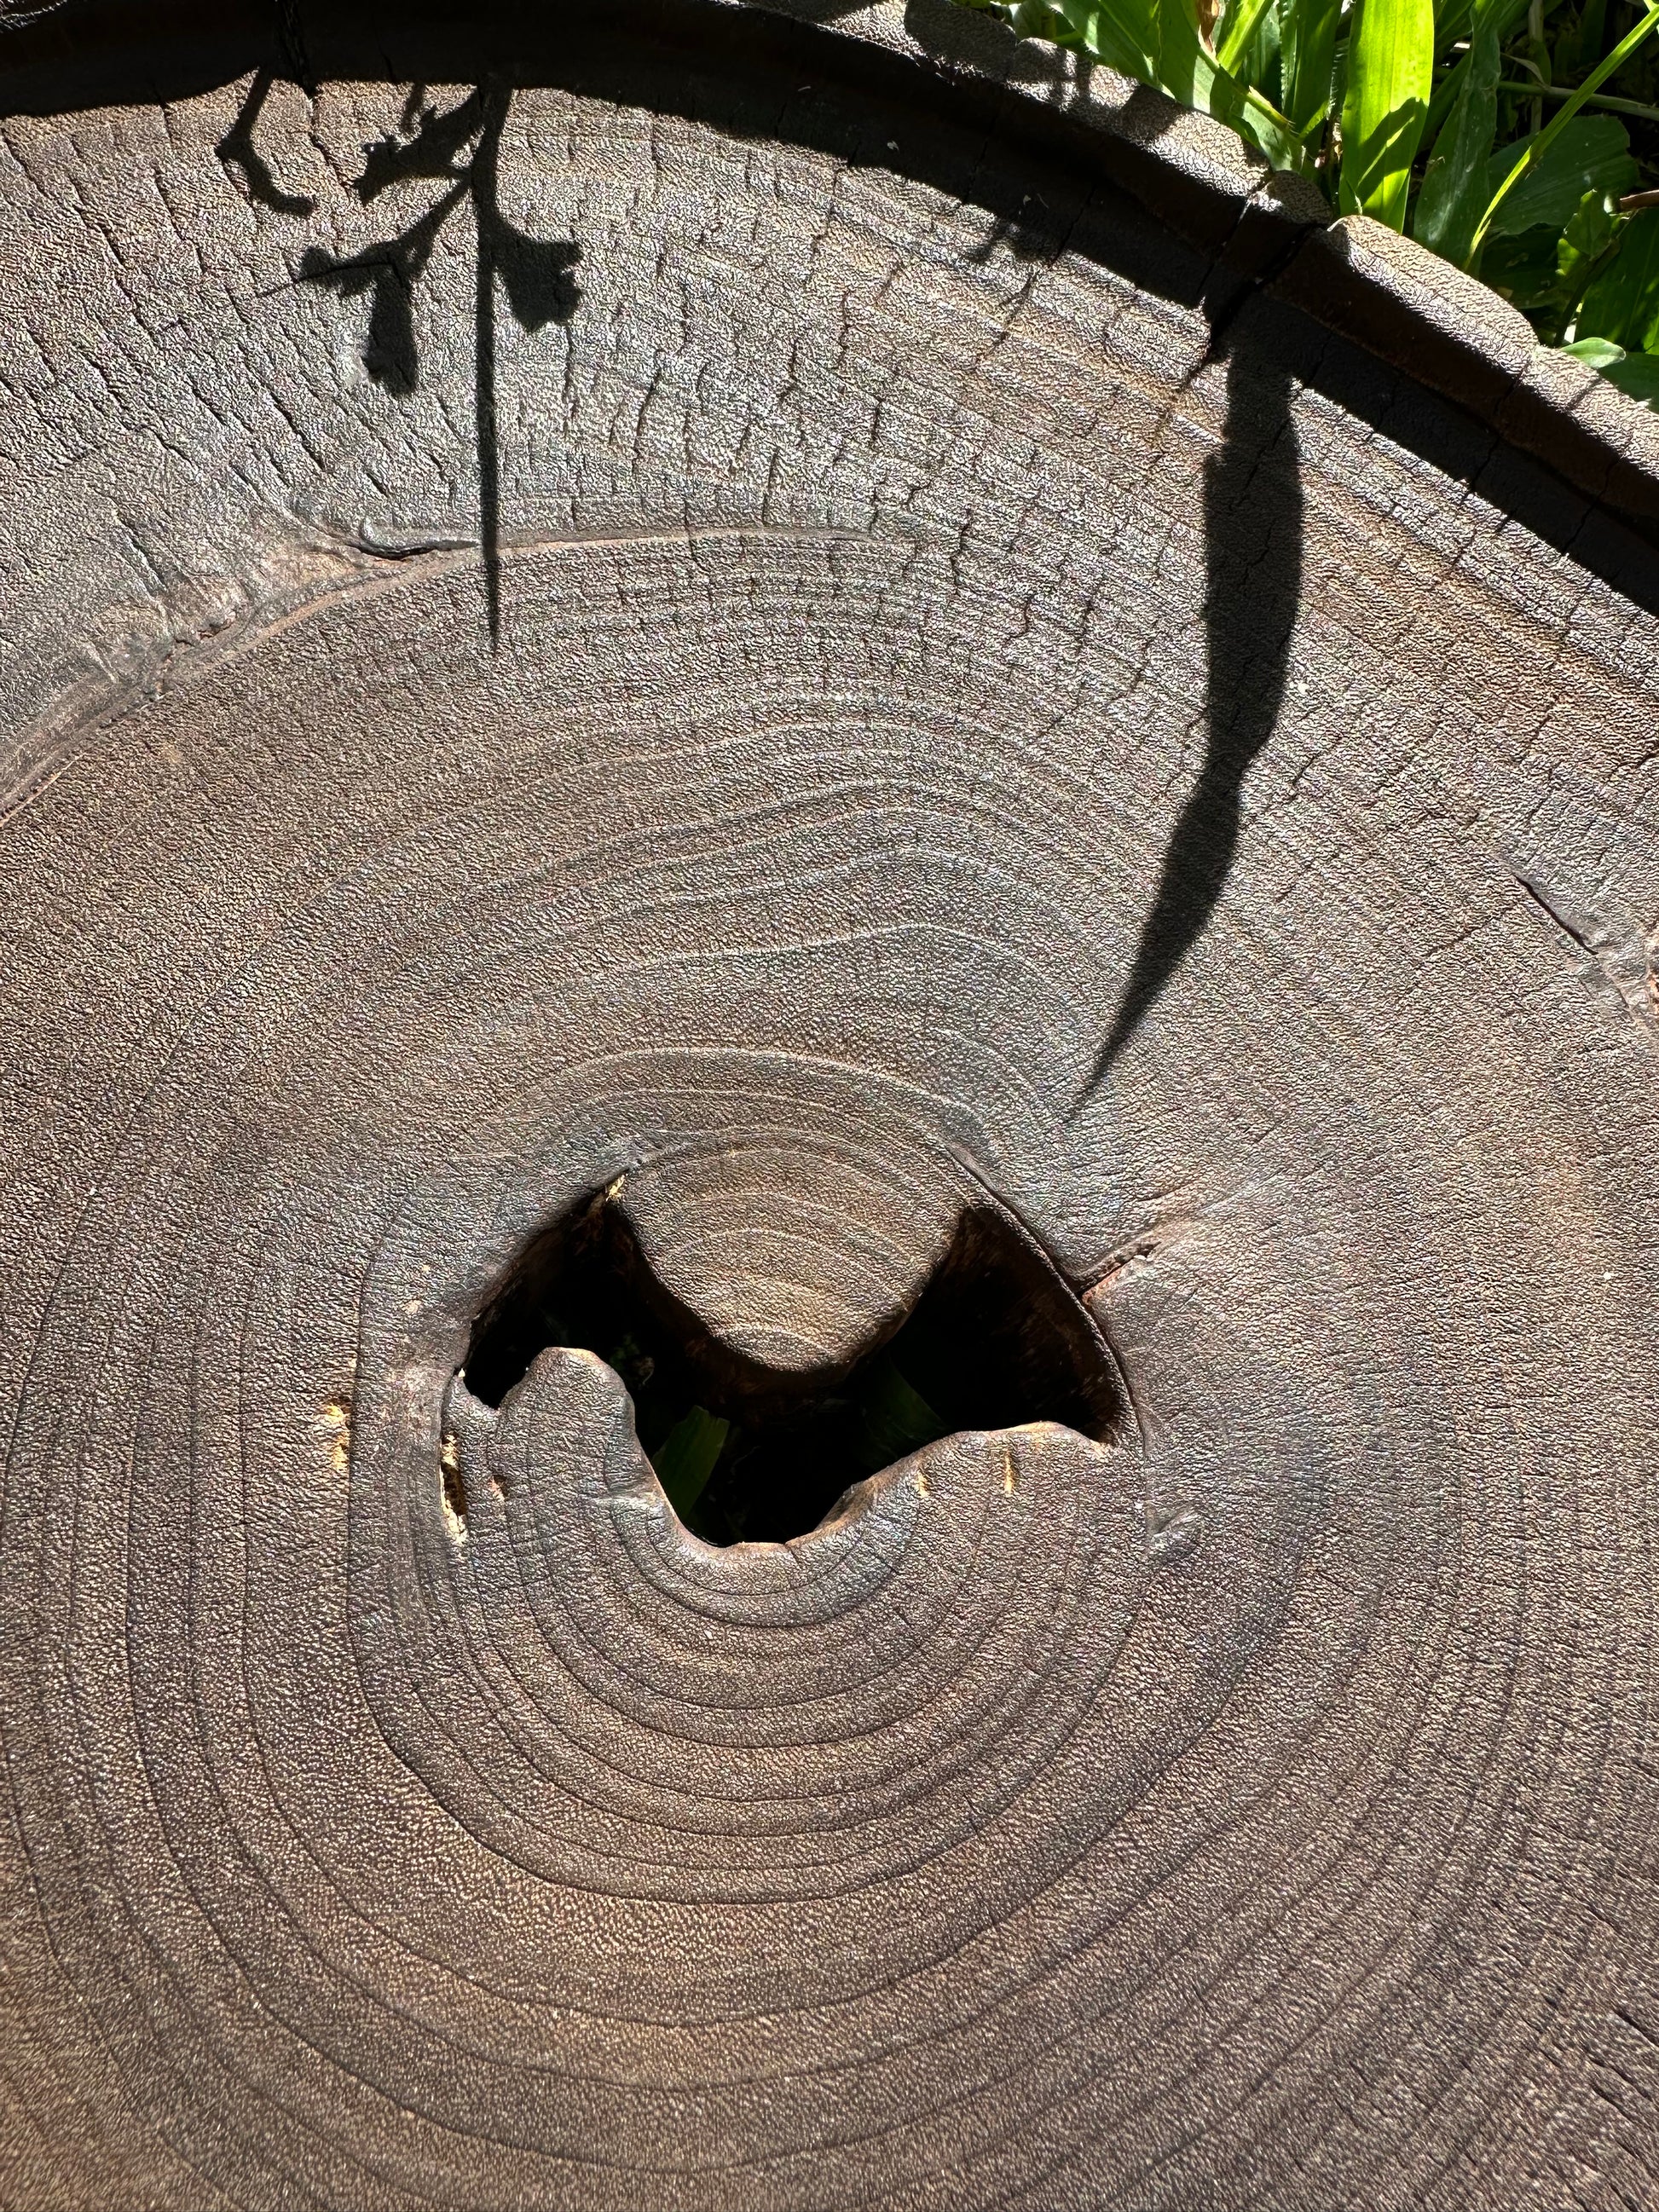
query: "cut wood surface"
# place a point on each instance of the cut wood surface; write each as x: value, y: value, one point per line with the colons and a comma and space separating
x: 721, y: 639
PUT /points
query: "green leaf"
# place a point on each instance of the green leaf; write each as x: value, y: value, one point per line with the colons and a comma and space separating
x: 1035, y: 18
x: 1501, y: 16
x: 1540, y: 145
x: 1583, y: 248
x: 1307, y: 48
x: 1124, y: 34
x: 1523, y: 269
x: 1636, y: 373
x: 1454, y: 188
x: 898, y: 1420
x: 1157, y: 41
x: 1589, y: 233
x: 685, y: 1458
x: 1591, y: 154
x: 1578, y: 46
x: 1390, y: 71
x: 1028, y: 19
x: 1623, y: 303
x: 1545, y: 271
x: 1243, y: 21
x: 1259, y: 67
x: 1598, y: 352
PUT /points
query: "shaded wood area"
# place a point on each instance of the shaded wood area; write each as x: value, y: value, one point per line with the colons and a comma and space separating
x: 707, y: 701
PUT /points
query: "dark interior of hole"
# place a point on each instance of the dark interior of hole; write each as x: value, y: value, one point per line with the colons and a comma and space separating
x: 746, y: 1454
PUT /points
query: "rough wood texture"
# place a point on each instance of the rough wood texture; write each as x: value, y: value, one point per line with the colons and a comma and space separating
x: 996, y: 703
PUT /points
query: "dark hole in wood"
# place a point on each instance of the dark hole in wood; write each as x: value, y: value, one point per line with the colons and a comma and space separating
x: 748, y: 1454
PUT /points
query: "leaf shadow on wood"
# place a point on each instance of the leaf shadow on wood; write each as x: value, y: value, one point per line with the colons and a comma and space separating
x: 535, y: 273
x: 1253, y: 558
x: 752, y: 74
x: 238, y: 152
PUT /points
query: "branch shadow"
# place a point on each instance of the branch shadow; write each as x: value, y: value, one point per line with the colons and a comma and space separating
x: 1252, y: 500
x: 535, y: 273
x: 388, y: 272
x: 238, y: 152
x: 1253, y: 525
x: 1051, y: 181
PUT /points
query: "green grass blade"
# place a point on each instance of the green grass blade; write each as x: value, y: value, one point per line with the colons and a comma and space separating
x: 1122, y: 34
x: 1503, y: 16
x: 898, y: 1420
x: 1245, y: 23
x: 1643, y: 111
x: 1454, y: 188
x: 1272, y: 133
x: 1307, y: 49
x: 1546, y: 137
x: 1157, y: 41
x: 685, y: 1458
x: 1390, y: 73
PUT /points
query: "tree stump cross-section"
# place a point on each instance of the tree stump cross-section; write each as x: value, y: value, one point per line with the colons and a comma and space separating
x: 717, y: 702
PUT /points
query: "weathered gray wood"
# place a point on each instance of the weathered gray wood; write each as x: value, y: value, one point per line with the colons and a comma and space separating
x: 1030, y: 703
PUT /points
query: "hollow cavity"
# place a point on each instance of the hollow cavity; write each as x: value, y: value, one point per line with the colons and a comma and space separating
x: 747, y: 1454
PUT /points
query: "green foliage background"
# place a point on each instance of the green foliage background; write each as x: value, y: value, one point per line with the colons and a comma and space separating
x: 1518, y: 138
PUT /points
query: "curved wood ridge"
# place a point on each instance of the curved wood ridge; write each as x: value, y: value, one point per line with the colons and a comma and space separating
x: 804, y: 672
